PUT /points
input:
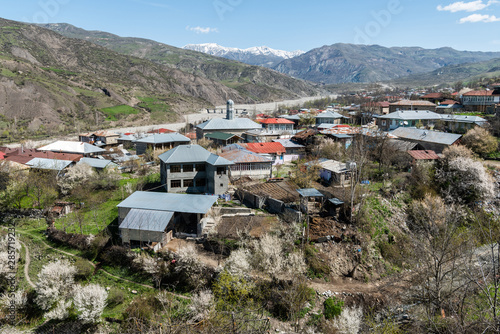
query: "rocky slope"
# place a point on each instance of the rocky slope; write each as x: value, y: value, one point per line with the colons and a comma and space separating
x: 344, y: 63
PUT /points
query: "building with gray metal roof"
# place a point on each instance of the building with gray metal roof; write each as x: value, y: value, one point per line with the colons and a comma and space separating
x: 49, y: 164
x: 147, y: 217
x: 229, y: 124
x: 247, y: 163
x: 329, y: 117
x: 72, y: 147
x: 160, y: 141
x: 426, y: 139
x: 191, y: 168
x: 97, y: 163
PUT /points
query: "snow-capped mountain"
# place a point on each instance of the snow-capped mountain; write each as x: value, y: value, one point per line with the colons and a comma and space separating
x: 258, y: 55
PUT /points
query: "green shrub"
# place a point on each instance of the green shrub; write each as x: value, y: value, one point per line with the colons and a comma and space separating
x: 115, y: 297
x: 83, y: 269
x: 333, y: 307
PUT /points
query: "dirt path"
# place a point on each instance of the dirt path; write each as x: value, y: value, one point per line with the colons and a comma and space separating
x: 27, y: 262
x: 492, y: 163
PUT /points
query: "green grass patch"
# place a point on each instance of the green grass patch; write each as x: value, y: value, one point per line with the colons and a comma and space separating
x: 116, y: 112
x: 58, y: 71
x: 8, y: 73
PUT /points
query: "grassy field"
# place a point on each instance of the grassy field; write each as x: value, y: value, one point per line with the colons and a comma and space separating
x: 117, y: 112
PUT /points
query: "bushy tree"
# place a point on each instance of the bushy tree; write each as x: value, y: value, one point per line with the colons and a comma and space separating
x: 75, y: 176
x: 90, y: 301
x: 55, y: 283
x: 202, y: 304
x: 238, y: 262
x: 463, y: 179
x: 9, y: 254
x: 480, y: 141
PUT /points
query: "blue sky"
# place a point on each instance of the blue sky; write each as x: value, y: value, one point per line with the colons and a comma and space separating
x: 279, y: 24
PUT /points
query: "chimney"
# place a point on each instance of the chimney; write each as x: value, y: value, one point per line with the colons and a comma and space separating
x: 230, y: 110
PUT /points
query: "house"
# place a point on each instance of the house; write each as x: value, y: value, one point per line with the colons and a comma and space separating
x: 332, y: 171
x: 311, y: 200
x: 229, y: 124
x: 426, y: 139
x: 98, y: 164
x: 481, y: 100
x: 277, y: 124
x: 411, y: 105
x: 193, y: 169
x: 380, y: 108
x: 420, y: 156
x: 152, y: 217
x: 433, y: 97
x: 293, y: 151
x: 99, y: 138
x: 294, y: 118
x: 247, y: 163
x: 266, y: 136
x: 273, y: 150
x: 407, y: 118
x: 162, y: 142
x: 462, y: 123
x: 223, y: 138
x: 448, y: 107
x: 75, y: 147
x: 305, y: 137
x: 274, y: 196
x: 329, y: 117
x: 49, y: 164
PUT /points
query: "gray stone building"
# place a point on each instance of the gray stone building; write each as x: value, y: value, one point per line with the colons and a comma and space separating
x: 162, y: 141
x: 192, y: 169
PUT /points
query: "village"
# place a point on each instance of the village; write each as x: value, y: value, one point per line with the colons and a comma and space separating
x: 165, y: 210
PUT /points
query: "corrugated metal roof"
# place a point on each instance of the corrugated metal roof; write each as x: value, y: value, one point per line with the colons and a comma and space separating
x: 333, y: 166
x: 276, y: 121
x: 220, y: 135
x: 244, y: 156
x: 412, y: 115
x: 287, y: 143
x: 52, y: 164
x: 192, y: 153
x: 271, y: 147
x: 96, y: 163
x: 426, y: 135
x: 464, y: 119
x: 71, y: 147
x: 413, y: 103
x: 335, y: 201
x: 330, y: 114
x: 164, y: 138
x: 309, y: 192
x: 147, y: 220
x: 186, y: 203
x: 423, y: 155
x: 227, y: 124
x: 291, y: 117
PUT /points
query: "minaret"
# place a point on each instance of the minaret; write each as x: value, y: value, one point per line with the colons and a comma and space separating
x: 230, y: 110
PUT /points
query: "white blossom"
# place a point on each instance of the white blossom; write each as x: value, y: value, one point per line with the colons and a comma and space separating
x: 90, y: 301
x: 238, y: 262
x: 202, y: 303
x: 60, y: 312
x: 55, y: 281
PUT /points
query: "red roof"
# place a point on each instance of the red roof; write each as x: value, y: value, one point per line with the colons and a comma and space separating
x: 272, y: 147
x: 190, y: 135
x: 2, y: 155
x: 479, y: 93
x: 432, y: 96
x: 276, y: 121
x: 161, y: 130
x: 423, y: 155
x: 445, y: 102
x: 26, y: 155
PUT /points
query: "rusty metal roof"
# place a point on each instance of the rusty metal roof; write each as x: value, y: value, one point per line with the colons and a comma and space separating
x: 423, y: 155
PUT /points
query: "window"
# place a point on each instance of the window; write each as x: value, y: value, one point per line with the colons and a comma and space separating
x: 201, y: 182
x: 200, y: 167
x: 175, y: 168
x: 221, y: 170
x: 175, y: 183
x: 187, y: 168
x: 188, y: 183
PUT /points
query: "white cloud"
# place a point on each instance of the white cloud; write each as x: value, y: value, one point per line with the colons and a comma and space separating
x: 202, y: 30
x: 479, y: 18
x: 461, y: 6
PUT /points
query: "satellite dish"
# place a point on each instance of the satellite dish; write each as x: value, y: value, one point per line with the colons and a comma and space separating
x: 405, y: 122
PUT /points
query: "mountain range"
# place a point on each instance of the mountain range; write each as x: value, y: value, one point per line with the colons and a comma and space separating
x: 347, y: 63
x: 47, y: 79
x: 259, y: 55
